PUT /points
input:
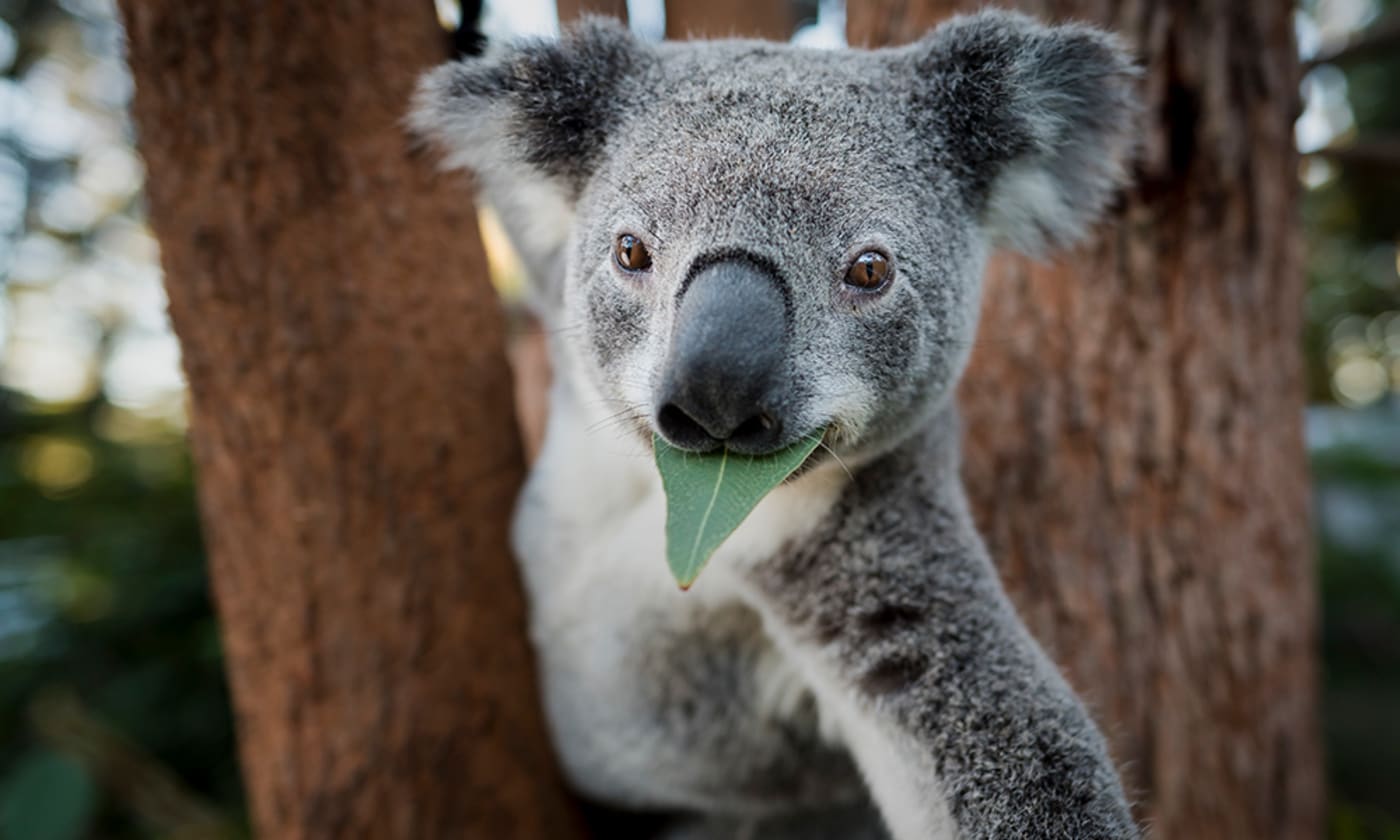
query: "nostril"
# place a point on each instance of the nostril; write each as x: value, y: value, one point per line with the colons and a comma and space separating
x: 682, y: 429
x: 760, y: 426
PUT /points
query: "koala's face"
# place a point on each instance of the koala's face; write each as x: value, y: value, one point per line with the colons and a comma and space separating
x: 769, y: 243
x: 753, y: 262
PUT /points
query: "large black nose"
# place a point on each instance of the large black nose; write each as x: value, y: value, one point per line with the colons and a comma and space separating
x: 724, y: 379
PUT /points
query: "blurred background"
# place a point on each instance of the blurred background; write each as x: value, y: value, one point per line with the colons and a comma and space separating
x: 114, y: 719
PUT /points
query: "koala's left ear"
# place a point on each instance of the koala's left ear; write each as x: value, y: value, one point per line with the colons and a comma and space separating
x: 533, y: 110
x: 1036, y: 122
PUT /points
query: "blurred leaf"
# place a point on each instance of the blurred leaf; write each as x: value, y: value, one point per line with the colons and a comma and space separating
x: 47, y: 796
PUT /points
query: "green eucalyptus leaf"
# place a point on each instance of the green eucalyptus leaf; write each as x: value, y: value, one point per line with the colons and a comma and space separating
x: 708, y: 495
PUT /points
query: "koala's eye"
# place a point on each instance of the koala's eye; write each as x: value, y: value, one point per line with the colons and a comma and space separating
x: 869, y: 272
x: 631, y: 254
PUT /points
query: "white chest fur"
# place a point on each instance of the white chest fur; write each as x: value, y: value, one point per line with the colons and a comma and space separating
x: 590, y: 536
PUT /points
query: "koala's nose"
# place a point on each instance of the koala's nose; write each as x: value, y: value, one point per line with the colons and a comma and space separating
x: 724, y: 382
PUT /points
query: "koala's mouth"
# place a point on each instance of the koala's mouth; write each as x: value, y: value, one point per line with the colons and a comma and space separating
x: 822, y: 454
x: 819, y: 456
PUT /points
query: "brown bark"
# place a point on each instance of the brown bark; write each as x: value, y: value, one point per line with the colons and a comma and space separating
x: 529, y: 362
x: 571, y: 9
x: 1133, y: 416
x: 351, y: 422
x: 775, y: 20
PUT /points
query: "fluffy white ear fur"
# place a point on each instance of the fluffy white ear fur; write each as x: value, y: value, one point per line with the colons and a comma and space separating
x: 1049, y: 198
x: 1030, y: 212
x: 468, y: 127
x: 529, y: 118
x: 472, y: 131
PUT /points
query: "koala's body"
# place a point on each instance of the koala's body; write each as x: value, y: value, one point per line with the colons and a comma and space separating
x: 738, y: 244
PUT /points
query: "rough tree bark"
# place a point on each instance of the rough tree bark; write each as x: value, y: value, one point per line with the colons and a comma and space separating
x: 351, y: 422
x: 1133, y: 416
x: 772, y: 19
x: 571, y: 9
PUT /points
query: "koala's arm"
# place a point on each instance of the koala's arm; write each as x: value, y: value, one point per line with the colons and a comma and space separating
x: 961, y: 725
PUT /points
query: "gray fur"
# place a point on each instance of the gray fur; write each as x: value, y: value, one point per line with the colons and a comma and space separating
x: 936, y: 647
x: 872, y: 594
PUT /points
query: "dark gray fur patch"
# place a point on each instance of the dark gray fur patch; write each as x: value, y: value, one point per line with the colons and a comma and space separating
x: 895, y: 673
x: 948, y: 660
x: 891, y: 617
x: 699, y: 687
x: 570, y: 95
x: 616, y: 323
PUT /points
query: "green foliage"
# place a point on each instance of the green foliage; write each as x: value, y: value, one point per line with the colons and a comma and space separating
x: 1356, y: 477
x: 103, y: 598
x: 708, y: 496
x: 1347, y: 822
x: 47, y: 796
x: 1352, y: 228
x: 1352, y: 343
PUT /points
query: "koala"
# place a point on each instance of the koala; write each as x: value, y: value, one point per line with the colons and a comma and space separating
x: 738, y: 244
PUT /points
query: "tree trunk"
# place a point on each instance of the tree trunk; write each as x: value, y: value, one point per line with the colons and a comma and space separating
x: 571, y: 9
x: 775, y: 20
x: 1133, y: 417
x: 350, y: 418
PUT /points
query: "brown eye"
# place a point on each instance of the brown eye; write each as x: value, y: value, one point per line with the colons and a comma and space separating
x: 631, y: 254
x: 870, y: 271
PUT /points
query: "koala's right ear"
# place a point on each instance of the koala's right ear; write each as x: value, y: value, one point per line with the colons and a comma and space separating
x: 1038, y: 121
x: 532, y: 110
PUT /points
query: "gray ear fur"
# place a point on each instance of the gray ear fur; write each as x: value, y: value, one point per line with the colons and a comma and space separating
x: 1037, y: 121
x: 531, y: 120
x: 541, y: 104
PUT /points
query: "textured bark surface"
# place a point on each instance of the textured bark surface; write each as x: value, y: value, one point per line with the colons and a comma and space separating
x: 350, y: 419
x: 772, y: 19
x: 1133, y: 417
x: 570, y: 9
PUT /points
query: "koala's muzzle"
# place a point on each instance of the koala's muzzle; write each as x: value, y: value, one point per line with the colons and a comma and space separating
x: 724, y: 382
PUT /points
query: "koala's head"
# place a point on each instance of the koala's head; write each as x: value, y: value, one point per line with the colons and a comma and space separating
x: 761, y: 241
